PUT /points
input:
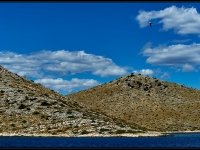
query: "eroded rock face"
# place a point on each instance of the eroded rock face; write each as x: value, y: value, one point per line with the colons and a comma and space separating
x: 143, y: 83
x: 147, y: 102
x: 29, y: 108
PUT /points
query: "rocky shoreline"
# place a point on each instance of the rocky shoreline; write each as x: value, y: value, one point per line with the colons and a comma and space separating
x: 178, y: 132
x: 90, y: 135
x: 147, y: 134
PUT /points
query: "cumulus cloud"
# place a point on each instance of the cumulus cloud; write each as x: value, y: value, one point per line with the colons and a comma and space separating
x: 60, y: 61
x: 144, y: 72
x: 182, y: 56
x: 181, y: 20
x: 21, y: 64
x: 67, y: 86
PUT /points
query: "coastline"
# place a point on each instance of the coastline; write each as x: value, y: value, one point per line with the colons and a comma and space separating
x: 174, y: 132
x: 147, y: 134
x: 86, y: 135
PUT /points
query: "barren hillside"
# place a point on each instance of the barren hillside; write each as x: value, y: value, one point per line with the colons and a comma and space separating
x: 144, y: 101
x: 30, y: 108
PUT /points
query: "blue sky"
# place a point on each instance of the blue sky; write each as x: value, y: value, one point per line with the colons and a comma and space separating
x: 72, y: 46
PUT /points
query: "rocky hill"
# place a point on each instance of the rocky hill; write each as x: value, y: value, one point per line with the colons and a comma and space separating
x: 149, y: 103
x: 30, y: 108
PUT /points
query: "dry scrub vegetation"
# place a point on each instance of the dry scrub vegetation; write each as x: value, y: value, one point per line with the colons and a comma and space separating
x: 30, y: 108
x: 145, y: 102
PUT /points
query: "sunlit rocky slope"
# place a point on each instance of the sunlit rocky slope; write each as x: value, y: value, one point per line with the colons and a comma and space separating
x: 149, y: 103
x: 30, y: 108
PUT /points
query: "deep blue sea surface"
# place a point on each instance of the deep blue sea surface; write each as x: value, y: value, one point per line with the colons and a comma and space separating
x: 174, y: 140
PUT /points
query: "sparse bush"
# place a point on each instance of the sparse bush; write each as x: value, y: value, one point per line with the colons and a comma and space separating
x: 62, y: 105
x: 24, y: 121
x: 13, y: 125
x: 103, y: 130
x: 145, y: 88
x: 19, y: 90
x: 28, y: 108
x: 132, y: 74
x: 69, y: 111
x: 44, y: 117
x: 71, y: 117
x: 120, y: 124
x: 52, y: 90
x: 159, y: 84
x: 45, y: 94
x: 2, y: 91
x: 45, y: 104
x: 22, y: 106
x: 120, y: 131
x: 130, y: 85
x: 36, y: 113
x: 33, y: 98
x: 54, y: 133
x: 85, y: 132
x: 53, y: 103
x: 131, y: 131
x: 93, y: 120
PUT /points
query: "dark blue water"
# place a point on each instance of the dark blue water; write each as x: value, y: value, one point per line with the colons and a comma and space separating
x: 174, y: 140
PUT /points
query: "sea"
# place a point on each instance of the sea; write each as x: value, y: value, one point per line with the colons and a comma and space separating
x: 180, y: 140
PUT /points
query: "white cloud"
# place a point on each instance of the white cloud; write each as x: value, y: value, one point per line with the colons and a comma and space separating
x: 112, y: 70
x: 61, y: 61
x: 182, y: 56
x: 67, y: 86
x: 187, y: 68
x: 144, y: 72
x: 48, y: 66
x: 182, y: 20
